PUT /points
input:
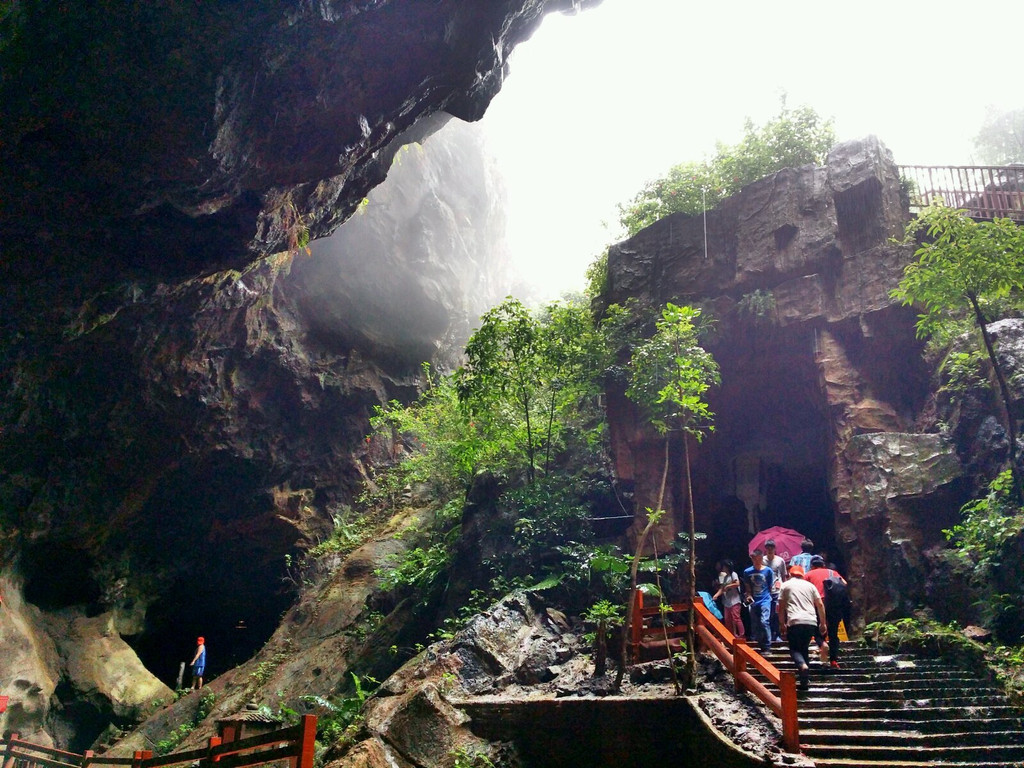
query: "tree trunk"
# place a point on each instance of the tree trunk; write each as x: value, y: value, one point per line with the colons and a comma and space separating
x: 653, y: 518
x: 1004, y: 396
x: 691, y: 635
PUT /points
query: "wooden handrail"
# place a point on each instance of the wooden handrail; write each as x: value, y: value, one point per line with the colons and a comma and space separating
x: 735, y: 655
x: 295, y: 744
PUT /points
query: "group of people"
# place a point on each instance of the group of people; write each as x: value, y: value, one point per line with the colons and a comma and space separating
x: 794, y: 602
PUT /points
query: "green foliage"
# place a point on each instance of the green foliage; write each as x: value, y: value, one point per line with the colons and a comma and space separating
x: 987, y: 552
x: 351, y: 530
x: 758, y: 305
x: 445, y: 446
x: 177, y: 735
x: 964, y: 266
x: 550, y: 534
x: 597, y: 275
x: 421, y: 568
x: 339, y: 718
x: 794, y: 137
x: 988, y: 526
x: 963, y: 372
x: 526, y: 377
x: 671, y: 373
x: 265, y: 669
x: 1000, y: 141
x: 462, y: 757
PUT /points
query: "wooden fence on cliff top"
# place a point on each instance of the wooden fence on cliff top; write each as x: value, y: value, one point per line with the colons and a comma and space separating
x: 289, y: 746
x: 984, y: 191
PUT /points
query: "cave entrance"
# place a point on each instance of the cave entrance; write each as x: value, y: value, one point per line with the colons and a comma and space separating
x: 216, y: 549
x: 766, y: 464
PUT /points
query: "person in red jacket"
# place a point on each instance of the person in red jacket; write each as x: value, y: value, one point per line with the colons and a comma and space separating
x: 834, y: 611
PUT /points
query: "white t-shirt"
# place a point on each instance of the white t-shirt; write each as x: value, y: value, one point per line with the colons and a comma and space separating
x: 731, y: 596
x: 796, y: 601
x: 778, y: 565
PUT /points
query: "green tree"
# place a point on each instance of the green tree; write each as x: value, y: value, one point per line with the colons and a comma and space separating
x: 965, y: 266
x: 1000, y: 140
x: 526, y: 376
x: 445, y: 447
x: 670, y: 376
x: 794, y: 137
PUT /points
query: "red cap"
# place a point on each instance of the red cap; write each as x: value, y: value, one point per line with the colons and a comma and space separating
x: 796, y: 570
x: 200, y: 641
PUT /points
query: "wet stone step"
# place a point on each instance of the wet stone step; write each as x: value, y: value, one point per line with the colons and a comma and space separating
x: 838, y: 711
x: 952, y: 754
x: 909, y: 740
x: 819, y: 700
x: 828, y: 762
x: 939, y: 697
x: 884, y: 722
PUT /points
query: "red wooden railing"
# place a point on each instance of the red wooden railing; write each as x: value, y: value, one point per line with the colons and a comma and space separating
x: 294, y: 744
x: 735, y: 655
x: 984, y: 191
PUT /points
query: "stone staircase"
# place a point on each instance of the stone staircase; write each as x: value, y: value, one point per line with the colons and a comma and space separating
x: 883, y: 710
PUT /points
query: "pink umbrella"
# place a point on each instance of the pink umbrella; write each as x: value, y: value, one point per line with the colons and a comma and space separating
x: 787, y: 541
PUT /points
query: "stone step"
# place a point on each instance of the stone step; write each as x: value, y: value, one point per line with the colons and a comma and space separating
x: 911, y: 714
x: 885, y: 722
x: 830, y: 762
x: 908, y: 740
x: 935, y: 755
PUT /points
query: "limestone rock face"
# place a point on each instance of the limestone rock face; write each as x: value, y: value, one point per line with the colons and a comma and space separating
x: 824, y: 387
x: 413, y: 713
x: 68, y: 675
x: 187, y: 138
x: 174, y: 442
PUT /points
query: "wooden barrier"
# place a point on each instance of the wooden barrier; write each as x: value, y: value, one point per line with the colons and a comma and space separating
x: 736, y: 656
x: 734, y: 653
x: 650, y: 626
x: 295, y: 744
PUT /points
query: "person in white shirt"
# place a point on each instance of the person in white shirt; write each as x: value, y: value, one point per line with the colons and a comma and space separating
x: 801, y: 613
x: 729, y: 591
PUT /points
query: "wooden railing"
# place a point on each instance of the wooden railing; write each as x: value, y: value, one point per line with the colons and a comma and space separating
x: 735, y: 655
x: 295, y: 744
x: 984, y: 191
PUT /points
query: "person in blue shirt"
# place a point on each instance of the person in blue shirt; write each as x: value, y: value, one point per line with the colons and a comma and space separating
x: 758, y: 581
x: 804, y: 558
x: 199, y: 664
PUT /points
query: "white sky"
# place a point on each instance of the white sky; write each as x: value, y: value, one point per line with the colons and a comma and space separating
x: 598, y: 103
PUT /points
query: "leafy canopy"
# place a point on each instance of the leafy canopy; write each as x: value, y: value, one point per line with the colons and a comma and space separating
x: 527, y: 376
x: 963, y: 266
x: 670, y: 373
x: 794, y: 137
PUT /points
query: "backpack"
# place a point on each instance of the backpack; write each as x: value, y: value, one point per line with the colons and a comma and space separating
x: 836, y: 593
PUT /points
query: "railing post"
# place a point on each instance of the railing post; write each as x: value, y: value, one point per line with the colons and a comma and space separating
x: 739, y: 661
x: 211, y: 745
x: 8, y: 759
x: 139, y: 757
x: 307, y: 742
x: 87, y: 758
x: 790, y: 723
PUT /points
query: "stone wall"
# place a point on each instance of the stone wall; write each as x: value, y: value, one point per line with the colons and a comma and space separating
x: 807, y: 383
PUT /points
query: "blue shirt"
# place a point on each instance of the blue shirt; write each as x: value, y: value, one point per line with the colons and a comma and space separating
x: 803, y: 560
x: 761, y: 582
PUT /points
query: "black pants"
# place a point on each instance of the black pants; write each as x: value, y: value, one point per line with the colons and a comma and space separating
x: 834, y: 615
x: 799, y: 638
